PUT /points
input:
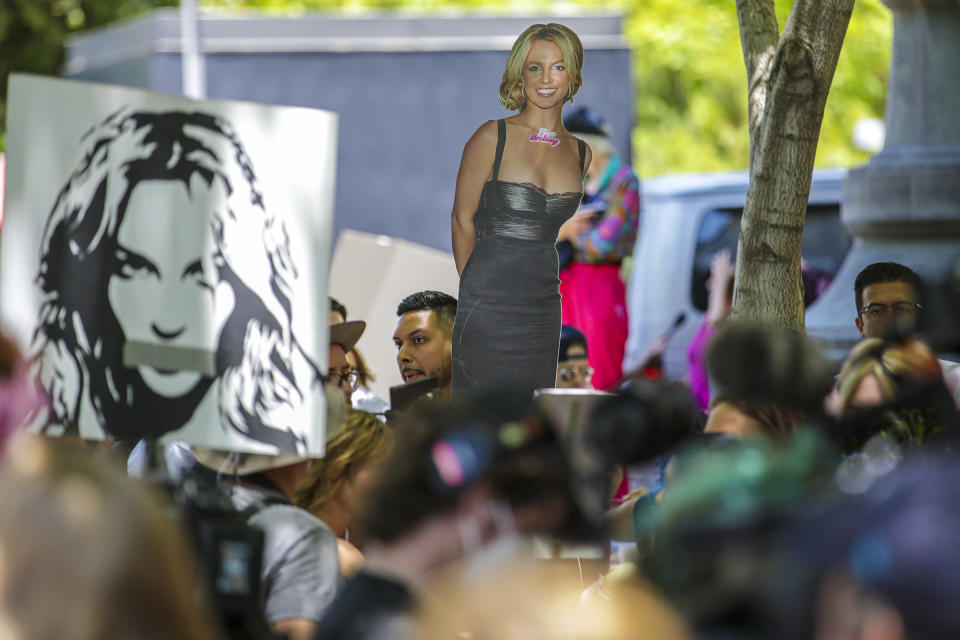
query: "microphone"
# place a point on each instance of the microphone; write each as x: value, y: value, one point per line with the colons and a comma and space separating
x: 677, y: 323
x: 652, y: 364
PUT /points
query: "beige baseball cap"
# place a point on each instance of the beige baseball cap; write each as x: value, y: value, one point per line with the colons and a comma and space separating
x: 346, y: 334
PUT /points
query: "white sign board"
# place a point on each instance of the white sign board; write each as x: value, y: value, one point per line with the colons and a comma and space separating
x: 166, y: 260
x: 370, y: 275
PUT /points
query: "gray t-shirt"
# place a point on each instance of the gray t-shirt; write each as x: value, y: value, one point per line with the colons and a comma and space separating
x: 300, y: 574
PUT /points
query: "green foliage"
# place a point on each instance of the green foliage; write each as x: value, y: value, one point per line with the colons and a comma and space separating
x: 689, y: 77
x: 407, y: 6
x: 33, y: 33
x: 692, y: 88
x: 690, y: 84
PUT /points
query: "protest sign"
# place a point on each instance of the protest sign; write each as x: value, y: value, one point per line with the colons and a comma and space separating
x: 166, y: 261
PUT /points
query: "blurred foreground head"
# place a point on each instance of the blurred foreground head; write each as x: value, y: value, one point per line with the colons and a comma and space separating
x: 88, y: 554
x: 765, y: 380
x: 877, y: 371
x: 493, y: 447
x: 893, y: 388
x: 644, y: 420
x: 716, y: 531
x: 884, y: 565
x: 766, y: 364
x: 538, y: 599
x: 20, y: 395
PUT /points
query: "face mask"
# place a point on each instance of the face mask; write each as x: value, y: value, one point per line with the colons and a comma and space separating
x: 336, y: 409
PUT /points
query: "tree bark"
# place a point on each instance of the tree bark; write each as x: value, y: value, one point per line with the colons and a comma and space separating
x: 789, y: 77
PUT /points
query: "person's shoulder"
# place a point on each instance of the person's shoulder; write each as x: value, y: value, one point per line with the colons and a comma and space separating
x: 489, y: 128
x: 483, y: 142
x: 486, y: 133
x: 350, y: 558
x: 575, y: 142
x: 566, y: 136
x: 292, y: 518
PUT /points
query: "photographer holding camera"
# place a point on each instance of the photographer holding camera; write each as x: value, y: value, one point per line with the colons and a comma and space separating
x: 299, y: 570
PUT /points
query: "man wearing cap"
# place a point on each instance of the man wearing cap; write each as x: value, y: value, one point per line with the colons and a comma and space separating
x: 300, y: 573
x: 600, y: 235
x: 343, y: 337
x: 573, y: 369
x: 361, y: 397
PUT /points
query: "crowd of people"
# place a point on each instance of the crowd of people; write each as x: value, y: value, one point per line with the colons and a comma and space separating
x: 808, y: 500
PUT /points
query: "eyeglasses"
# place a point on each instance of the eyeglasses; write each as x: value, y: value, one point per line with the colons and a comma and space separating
x: 878, y: 309
x: 567, y: 374
x: 352, y: 378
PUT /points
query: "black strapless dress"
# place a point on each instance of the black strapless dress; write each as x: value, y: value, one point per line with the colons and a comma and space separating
x: 508, y: 311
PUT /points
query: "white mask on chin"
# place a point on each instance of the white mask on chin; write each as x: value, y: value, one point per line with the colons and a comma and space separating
x: 336, y: 409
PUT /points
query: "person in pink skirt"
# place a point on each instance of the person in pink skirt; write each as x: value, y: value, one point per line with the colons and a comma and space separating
x: 593, y: 243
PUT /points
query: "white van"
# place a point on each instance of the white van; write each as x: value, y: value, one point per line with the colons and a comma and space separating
x: 684, y: 221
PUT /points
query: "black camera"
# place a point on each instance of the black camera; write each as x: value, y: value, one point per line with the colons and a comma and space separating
x: 229, y: 552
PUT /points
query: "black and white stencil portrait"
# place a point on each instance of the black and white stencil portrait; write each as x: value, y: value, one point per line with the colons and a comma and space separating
x: 175, y: 258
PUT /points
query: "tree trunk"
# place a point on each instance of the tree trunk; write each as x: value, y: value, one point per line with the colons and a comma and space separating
x: 789, y: 77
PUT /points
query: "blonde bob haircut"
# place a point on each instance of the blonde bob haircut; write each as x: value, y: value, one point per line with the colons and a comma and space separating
x: 511, y: 88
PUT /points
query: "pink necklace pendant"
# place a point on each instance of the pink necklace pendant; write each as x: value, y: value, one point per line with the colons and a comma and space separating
x: 546, y: 136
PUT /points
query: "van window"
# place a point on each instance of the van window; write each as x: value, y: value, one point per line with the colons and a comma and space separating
x: 824, y: 246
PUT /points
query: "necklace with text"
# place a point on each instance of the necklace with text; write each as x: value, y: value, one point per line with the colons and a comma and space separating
x: 546, y: 136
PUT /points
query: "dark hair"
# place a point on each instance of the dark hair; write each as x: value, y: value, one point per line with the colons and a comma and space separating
x: 444, y: 307
x: 586, y: 120
x: 643, y: 420
x: 570, y: 336
x: 773, y: 419
x: 337, y: 307
x: 497, y: 438
x: 762, y: 363
x: 882, y: 272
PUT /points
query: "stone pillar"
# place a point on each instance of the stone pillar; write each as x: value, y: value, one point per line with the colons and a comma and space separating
x: 904, y: 205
